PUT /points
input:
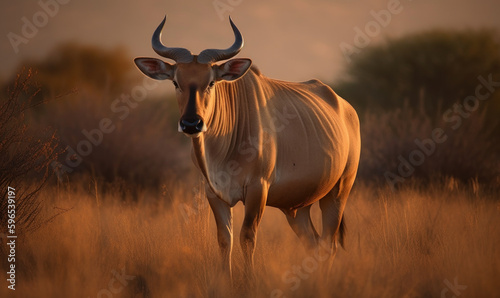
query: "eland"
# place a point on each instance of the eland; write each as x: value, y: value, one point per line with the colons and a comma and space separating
x: 263, y: 142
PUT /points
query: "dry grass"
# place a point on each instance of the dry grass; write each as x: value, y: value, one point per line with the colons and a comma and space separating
x: 403, y: 244
x: 25, y: 154
x: 469, y: 152
x: 410, y: 243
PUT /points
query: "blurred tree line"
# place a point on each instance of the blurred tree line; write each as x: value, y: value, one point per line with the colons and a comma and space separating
x: 434, y: 68
x: 406, y: 87
x: 400, y: 88
x: 72, y: 90
x: 25, y: 157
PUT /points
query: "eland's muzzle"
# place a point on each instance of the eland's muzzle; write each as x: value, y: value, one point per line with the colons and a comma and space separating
x: 191, y: 126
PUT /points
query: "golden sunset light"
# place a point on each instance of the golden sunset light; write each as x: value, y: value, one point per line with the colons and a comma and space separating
x: 235, y: 148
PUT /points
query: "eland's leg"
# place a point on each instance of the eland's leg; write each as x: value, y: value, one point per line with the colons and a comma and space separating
x: 303, y: 227
x: 255, y: 202
x: 332, y: 209
x: 224, y: 219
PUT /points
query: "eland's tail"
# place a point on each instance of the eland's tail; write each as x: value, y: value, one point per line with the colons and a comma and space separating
x: 342, y: 231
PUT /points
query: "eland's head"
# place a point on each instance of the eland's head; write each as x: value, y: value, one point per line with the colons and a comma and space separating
x: 194, y: 77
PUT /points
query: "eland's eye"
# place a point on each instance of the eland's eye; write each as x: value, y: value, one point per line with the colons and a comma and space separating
x: 175, y: 84
x: 210, y: 85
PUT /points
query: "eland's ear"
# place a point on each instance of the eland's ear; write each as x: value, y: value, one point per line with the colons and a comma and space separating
x: 233, y: 69
x: 155, y: 68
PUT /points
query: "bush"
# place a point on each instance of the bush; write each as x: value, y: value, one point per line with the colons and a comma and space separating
x: 81, y: 83
x: 26, y: 154
x: 405, y: 88
x: 142, y: 150
x: 469, y: 152
x: 437, y: 67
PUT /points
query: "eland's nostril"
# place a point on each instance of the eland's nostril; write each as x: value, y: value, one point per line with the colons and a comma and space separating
x: 191, y: 126
x: 188, y: 123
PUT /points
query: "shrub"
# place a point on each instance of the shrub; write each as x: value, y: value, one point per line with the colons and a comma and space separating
x: 26, y: 154
x: 468, y: 152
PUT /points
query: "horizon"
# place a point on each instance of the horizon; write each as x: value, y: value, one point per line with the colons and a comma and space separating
x: 34, y: 29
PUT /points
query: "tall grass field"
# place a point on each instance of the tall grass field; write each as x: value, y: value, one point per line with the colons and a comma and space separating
x: 415, y: 242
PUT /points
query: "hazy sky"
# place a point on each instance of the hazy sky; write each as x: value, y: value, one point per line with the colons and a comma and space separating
x: 287, y: 39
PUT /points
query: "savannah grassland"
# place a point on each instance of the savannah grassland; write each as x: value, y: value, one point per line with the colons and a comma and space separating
x: 408, y: 243
x: 129, y: 219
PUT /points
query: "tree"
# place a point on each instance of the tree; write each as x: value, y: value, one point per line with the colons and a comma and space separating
x: 26, y: 156
x: 410, y: 87
x: 435, y: 68
x: 82, y: 68
x: 85, y: 86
